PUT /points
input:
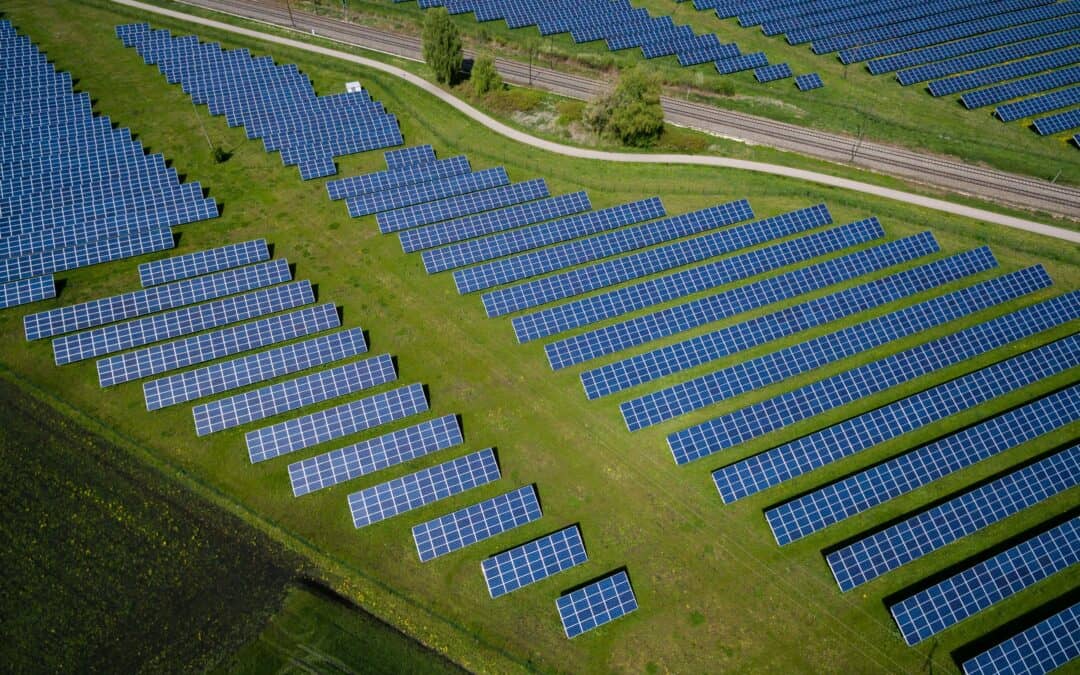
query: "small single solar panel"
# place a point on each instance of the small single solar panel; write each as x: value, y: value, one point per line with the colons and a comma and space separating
x: 476, y: 523
x: 533, y: 561
x: 203, y: 262
x: 777, y: 71
x: 1047, y: 645
x: 596, y: 604
x: 809, y: 81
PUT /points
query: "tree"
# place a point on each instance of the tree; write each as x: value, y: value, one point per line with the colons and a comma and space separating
x: 631, y: 114
x: 442, y: 45
x: 484, y: 76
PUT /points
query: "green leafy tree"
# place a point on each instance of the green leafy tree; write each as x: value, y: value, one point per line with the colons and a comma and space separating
x: 484, y: 76
x: 631, y: 114
x: 442, y: 45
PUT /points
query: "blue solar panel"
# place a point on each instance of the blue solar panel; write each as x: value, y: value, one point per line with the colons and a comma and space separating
x: 980, y: 586
x: 856, y: 434
x: 848, y: 387
x: 209, y: 346
x: 980, y: 59
x: 424, y: 487
x: 1055, y: 124
x: 409, y: 195
x: 476, y: 523
x: 680, y: 284
x: 1047, y: 645
x: 1038, y: 105
x: 462, y: 205
x: 803, y: 357
x: 203, y: 262
x: 639, y: 330
x: 131, y: 334
x: 325, y: 425
x: 742, y: 62
x: 292, y: 394
x: 799, y: 518
x: 535, y: 236
x: 1024, y: 87
x: 809, y: 81
x: 404, y: 157
x: 695, y: 351
x: 872, y: 556
x: 596, y: 604
x: 385, y: 180
x: 777, y: 71
x: 86, y: 254
x: 381, y: 452
x: 219, y: 377
x: 536, y: 560
x: 155, y: 299
x: 1007, y: 71
x: 25, y: 291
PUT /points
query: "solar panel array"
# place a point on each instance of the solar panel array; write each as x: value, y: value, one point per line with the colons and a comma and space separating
x: 534, y: 561
x: 1023, y: 87
x: 872, y: 556
x: 1047, y: 645
x: 275, y: 103
x: 419, y: 193
x: 1003, y: 72
x: 424, y: 487
x: 972, y: 590
x: 596, y: 604
x: 476, y: 523
x: 76, y: 192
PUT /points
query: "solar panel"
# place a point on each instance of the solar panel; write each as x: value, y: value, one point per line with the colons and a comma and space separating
x: 1047, y: 645
x: 980, y: 586
x: 292, y: 394
x: 381, y: 452
x: 203, y: 262
x: 25, y: 291
x: 131, y: 334
x: 741, y: 62
x: 1007, y: 71
x: 404, y: 157
x: 1018, y: 88
x: 777, y: 71
x: 872, y: 556
x: 1038, y: 105
x: 962, y: 61
x: 809, y: 81
x: 424, y: 487
x: 844, y: 388
x: 385, y: 180
x: 476, y: 523
x: 154, y: 299
x: 1055, y: 124
x: 219, y: 377
x: 409, y: 195
x: 686, y: 354
x: 533, y: 561
x: 325, y: 425
x: 596, y: 604
x: 856, y: 434
x: 665, y: 322
x: 739, y: 378
x: 86, y: 254
x: 214, y: 345
x: 462, y: 205
x: 687, y: 282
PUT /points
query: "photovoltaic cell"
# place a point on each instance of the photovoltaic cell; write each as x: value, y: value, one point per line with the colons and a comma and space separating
x: 817, y: 510
x: 424, y: 487
x: 536, y: 560
x: 203, y: 262
x: 872, y: 556
x: 25, y: 291
x: 596, y: 604
x: 844, y: 388
x: 476, y: 523
x: 282, y: 397
x: 980, y: 586
x: 1040, y: 649
x: 219, y: 377
x: 381, y: 452
x: 325, y: 425
x: 462, y: 205
x: 856, y: 434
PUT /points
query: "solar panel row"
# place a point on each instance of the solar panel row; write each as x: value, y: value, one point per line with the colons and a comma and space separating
x: 419, y: 193
x: 203, y: 262
x: 1047, y: 645
x: 476, y: 523
x: 596, y: 604
x: 461, y: 205
x: 25, y: 291
x: 408, y: 175
x: 533, y: 561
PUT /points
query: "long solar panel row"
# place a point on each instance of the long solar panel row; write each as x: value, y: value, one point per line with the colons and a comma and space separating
x: 476, y: 523
x: 1007, y: 71
x: 203, y: 262
x: 989, y: 57
x: 1047, y: 645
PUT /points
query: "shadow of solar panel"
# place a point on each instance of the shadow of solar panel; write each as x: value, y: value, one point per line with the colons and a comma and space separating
x: 1047, y: 645
x: 25, y: 291
x: 130, y: 334
x: 534, y: 561
x: 203, y: 262
x: 872, y: 556
x: 386, y: 180
x: 292, y: 394
x: 856, y: 434
x: 806, y: 356
x: 214, y: 345
x: 756, y: 420
x: 424, y: 487
x: 662, y: 323
x: 325, y: 425
x: 687, y: 282
x: 85, y: 255
x: 980, y: 586
x: 461, y: 205
x: 476, y: 523
x: 381, y: 452
x: 596, y: 604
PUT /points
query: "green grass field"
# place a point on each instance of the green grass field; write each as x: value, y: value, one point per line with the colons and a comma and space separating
x: 716, y: 593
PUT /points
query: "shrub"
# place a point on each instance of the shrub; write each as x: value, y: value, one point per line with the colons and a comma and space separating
x: 484, y: 76
x: 631, y: 114
x: 442, y: 45
x: 570, y: 112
